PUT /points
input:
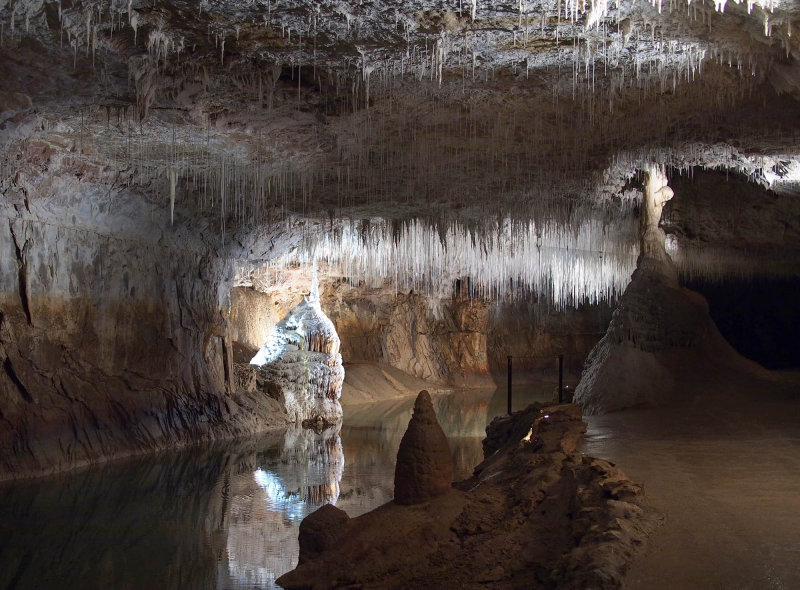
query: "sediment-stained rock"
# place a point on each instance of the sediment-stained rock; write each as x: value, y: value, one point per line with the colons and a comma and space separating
x: 459, y: 341
x: 442, y: 341
x: 114, y: 336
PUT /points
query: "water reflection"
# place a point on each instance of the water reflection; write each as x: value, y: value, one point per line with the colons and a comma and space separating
x: 224, y: 516
x: 266, y: 505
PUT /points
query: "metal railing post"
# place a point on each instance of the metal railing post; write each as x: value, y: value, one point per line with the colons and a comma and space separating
x: 561, y: 378
x: 509, y: 385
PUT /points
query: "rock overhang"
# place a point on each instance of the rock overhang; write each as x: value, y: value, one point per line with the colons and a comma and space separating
x: 303, y: 117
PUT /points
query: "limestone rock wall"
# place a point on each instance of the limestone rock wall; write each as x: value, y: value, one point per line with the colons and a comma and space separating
x: 461, y: 341
x: 449, y: 342
x: 442, y: 342
x: 535, y: 334
x: 253, y: 316
x: 114, y: 334
x: 722, y: 226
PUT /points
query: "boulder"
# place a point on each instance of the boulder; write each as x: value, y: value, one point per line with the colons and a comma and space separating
x: 321, y: 530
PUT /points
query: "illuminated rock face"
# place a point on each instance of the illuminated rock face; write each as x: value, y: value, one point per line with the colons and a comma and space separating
x: 301, y: 362
x: 652, y: 253
x: 109, y: 347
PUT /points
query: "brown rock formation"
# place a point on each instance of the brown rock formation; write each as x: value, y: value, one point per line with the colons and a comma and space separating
x: 321, y: 530
x: 460, y: 342
x: 111, y: 347
x: 424, y: 467
x: 556, y: 428
x: 442, y: 341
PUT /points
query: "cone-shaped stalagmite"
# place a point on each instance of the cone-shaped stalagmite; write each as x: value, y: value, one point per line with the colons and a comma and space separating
x: 424, y: 467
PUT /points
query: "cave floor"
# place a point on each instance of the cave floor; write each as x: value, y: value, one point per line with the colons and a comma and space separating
x: 726, y: 475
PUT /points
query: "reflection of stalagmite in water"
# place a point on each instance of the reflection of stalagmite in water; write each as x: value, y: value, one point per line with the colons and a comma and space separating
x: 301, y: 360
x: 267, y: 505
x: 320, y: 462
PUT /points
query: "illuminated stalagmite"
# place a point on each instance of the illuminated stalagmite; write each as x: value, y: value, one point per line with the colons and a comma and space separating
x: 661, y: 345
x: 301, y: 360
x: 652, y: 253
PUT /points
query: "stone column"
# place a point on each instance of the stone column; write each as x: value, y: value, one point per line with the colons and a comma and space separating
x: 661, y: 345
x: 652, y: 253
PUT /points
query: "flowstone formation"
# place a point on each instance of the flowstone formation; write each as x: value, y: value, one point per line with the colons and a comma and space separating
x: 661, y: 345
x: 424, y: 468
x: 535, y: 514
x: 301, y: 363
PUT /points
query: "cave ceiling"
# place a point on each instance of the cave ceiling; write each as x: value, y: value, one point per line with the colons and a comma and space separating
x: 235, y: 114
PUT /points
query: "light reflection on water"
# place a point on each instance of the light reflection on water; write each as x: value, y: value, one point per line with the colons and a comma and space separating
x: 224, y: 516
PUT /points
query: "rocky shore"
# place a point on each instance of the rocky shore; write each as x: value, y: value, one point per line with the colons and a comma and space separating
x: 535, y: 514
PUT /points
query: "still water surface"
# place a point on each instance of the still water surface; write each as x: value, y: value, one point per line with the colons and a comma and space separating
x: 223, y: 516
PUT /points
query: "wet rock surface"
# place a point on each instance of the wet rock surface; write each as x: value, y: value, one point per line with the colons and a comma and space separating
x: 535, y: 514
x: 424, y: 468
x: 114, y: 337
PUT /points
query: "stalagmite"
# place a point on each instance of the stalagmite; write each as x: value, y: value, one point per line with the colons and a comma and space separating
x: 652, y: 253
x: 424, y: 468
x: 661, y: 345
